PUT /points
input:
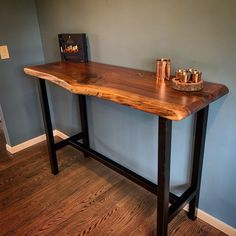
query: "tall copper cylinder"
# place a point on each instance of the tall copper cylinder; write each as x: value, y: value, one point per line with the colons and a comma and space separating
x: 163, y: 69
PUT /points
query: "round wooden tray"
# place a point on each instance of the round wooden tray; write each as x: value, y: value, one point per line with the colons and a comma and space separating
x: 189, y: 87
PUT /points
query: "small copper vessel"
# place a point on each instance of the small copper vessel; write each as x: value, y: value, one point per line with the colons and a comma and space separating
x: 185, y: 77
x: 196, y: 76
x: 178, y: 74
x: 163, y: 69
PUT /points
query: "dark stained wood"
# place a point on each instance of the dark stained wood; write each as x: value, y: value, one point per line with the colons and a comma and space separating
x: 130, y: 87
x: 86, y: 198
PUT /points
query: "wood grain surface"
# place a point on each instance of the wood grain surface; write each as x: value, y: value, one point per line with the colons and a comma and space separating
x: 130, y: 87
x: 86, y: 198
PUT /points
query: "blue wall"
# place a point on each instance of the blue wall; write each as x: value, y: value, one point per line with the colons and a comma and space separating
x: 131, y: 33
x: 18, y: 95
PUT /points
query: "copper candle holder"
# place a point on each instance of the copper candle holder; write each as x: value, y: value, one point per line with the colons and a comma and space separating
x: 187, y: 80
x: 163, y: 69
x: 196, y: 76
x: 178, y: 74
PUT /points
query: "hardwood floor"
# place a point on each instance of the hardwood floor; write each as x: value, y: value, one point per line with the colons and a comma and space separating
x: 85, y: 198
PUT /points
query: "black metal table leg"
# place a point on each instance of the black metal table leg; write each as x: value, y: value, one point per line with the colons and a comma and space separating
x: 84, y: 120
x: 48, y: 126
x: 164, y: 153
x: 199, y: 145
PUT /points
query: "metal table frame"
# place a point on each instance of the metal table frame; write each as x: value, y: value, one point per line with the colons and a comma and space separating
x: 164, y: 213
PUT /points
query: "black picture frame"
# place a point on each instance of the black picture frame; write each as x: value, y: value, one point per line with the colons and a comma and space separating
x: 73, y: 47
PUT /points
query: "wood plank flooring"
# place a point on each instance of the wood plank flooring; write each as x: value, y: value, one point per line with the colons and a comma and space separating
x: 85, y: 198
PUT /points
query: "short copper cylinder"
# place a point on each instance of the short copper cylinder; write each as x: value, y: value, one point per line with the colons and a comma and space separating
x: 179, y: 74
x: 185, y: 77
x: 163, y: 69
x: 196, y: 76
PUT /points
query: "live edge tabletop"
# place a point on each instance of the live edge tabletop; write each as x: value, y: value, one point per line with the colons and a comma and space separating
x: 135, y: 88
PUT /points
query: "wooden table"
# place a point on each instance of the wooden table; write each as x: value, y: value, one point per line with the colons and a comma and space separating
x: 137, y: 89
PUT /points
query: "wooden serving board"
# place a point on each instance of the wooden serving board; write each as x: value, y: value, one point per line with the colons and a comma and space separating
x: 135, y: 88
x: 187, y: 87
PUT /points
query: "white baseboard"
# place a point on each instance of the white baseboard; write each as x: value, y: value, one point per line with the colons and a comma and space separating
x: 60, y: 134
x: 25, y: 145
x: 227, y: 229
x: 33, y: 141
x: 218, y: 224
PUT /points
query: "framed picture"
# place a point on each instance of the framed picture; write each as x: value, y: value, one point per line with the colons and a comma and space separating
x: 73, y: 47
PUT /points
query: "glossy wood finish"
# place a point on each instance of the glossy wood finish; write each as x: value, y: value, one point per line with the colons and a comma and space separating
x: 130, y: 87
x: 86, y: 198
